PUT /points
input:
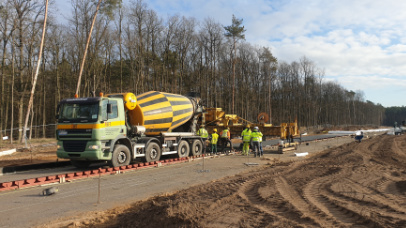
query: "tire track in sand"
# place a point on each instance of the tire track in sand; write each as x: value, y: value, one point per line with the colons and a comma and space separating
x: 274, y: 205
x: 294, y: 198
x: 314, y: 192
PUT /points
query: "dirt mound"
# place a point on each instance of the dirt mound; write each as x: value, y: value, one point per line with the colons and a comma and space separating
x: 356, y: 184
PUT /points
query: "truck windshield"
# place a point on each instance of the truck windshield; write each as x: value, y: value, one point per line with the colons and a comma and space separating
x: 73, y: 113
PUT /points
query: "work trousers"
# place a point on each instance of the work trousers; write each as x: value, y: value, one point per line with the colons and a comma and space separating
x: 255, y: 148
x: 214, y: 148
x: 204, y: 145
x: 260, y: 149
x: 246, y: 148
x: 224, y: 142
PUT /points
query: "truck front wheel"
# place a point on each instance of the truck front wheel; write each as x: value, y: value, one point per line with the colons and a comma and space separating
x: 152, y: 152
x: 121, y: 156
x: 183, y: 149
x: 197, y: 147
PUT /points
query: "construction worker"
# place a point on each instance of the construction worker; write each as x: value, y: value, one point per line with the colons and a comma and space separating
x: 246, y: 138
x: 225, y: 138
x: 255, y: 135
x: 202, y: 132
x: 260, y: 142
x: 359, y: 135
x: 214, y: 138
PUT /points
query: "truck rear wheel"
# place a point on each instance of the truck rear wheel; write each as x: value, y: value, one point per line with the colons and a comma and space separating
x: 152, y: 152
x: 183, y: 149
x: 121, y: 156
x: 197, y: 147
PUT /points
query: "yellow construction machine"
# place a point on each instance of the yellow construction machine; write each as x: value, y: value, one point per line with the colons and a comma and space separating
x: 217, y: 118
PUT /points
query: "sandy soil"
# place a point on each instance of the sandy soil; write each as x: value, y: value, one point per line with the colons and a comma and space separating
x: 353, y: 185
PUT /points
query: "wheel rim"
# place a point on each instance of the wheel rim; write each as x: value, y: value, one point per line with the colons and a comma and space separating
x: 197, y: 148
x: 153, y: 154
x: 183, y: 150
x: 122, y: 157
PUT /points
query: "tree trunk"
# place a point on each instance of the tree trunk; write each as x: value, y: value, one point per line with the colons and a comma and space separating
x: 36, y: 73
x: 87, y: 46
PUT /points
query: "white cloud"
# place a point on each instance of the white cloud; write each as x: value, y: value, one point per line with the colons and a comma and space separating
x: 397, y: 48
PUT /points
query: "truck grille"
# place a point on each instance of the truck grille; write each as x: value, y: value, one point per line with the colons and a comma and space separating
x: 74, y: 146
x: 77, y: 133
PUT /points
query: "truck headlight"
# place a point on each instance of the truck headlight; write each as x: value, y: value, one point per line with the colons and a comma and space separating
x: 94, y: 147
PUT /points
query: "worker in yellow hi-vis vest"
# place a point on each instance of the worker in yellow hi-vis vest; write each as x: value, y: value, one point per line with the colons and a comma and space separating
x: 246, y: 138
x: 256, y: 138
x: 214, y: 139
x: 202, y: 132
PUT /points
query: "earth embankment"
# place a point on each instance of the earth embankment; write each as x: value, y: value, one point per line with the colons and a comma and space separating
x: 352, y: 185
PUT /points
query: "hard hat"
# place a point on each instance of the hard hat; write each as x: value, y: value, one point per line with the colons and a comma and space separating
x: 202, y: 125
x: 256, y: 128
x: 215, y: 129
x: 248, y: 125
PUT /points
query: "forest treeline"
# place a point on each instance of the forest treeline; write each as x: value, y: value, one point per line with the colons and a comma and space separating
x: 132, y: 49
x: 395, y: 115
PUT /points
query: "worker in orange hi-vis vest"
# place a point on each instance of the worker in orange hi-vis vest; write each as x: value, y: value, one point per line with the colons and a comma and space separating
x: 225, y: 139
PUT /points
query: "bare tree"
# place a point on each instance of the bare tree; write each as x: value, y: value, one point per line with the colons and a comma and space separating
x: 184, y: 39
x: 211, y: 38
x: 6, y: 33
x: 268, y: 69
x: 236, y: 32
x: 36, y: 72
x: 87, y: 46
x: 26, y: 28
x: 119, y: 26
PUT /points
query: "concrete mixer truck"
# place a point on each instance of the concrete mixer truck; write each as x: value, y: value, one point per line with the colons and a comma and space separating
x: 120, y: 128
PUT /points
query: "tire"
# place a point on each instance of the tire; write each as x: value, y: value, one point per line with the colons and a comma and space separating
x: 121, y: 156
x: 152, y: 152
x: 80, y: 164
x: 183, y: 149
x: 197, y: 147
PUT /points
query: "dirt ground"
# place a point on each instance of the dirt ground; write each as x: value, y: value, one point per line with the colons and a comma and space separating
x: 36, y: 151
x: 352, y: 185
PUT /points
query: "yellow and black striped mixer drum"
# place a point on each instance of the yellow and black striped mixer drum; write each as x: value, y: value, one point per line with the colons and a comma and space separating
x: 160, y: 112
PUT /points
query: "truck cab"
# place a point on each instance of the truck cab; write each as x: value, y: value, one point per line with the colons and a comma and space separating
x: 87, y: 127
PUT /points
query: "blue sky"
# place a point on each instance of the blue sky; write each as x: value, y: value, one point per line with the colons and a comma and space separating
x: 359, y: 44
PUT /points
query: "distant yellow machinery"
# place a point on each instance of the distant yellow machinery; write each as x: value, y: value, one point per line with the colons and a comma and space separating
x: 217, y: 118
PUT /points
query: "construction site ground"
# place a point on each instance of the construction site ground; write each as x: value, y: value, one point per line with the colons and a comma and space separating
x: 341, y: 183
